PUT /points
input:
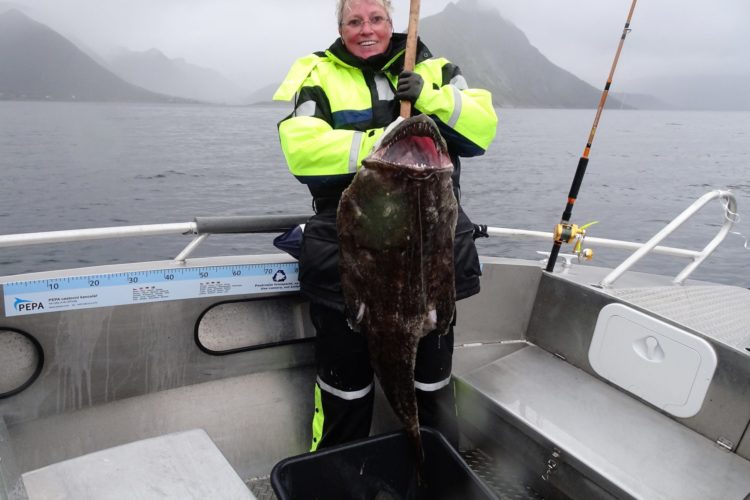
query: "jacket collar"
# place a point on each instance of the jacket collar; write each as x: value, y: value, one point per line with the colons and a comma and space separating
x: 392, y: 60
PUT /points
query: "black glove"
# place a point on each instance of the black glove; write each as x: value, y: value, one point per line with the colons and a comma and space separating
x: 409, y: 86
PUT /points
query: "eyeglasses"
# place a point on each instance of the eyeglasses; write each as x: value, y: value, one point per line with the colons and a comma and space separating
x: 375, y: 22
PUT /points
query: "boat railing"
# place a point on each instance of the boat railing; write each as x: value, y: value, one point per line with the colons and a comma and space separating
x: 730, y: 217
x: 652, y: 245
x: 202, y: 227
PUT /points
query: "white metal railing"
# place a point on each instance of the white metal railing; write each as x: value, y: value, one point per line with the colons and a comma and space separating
x: 190, y: 228
x: 730, y: 217
x: 206, y: 226
x: 595, y: 242
x: 652, y: 246
x: 101, y: 233
x: 201, y: 226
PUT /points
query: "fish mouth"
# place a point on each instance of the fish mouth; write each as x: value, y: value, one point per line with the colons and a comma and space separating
x: 416, y: 145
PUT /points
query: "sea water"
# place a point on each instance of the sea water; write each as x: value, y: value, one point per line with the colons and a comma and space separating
x: 85, y: 165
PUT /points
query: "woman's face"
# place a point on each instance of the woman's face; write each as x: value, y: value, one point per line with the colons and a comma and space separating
x: 365, y: 28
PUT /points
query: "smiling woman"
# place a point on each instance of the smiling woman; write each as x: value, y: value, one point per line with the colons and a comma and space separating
x: 345, y: 99
x: 365, y: 26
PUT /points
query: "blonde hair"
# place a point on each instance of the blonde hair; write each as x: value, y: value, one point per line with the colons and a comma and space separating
x: 341, y: 4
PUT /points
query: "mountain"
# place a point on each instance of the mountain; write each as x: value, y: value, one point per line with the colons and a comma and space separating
x: 641, y: 101
x: 39, y: 63
x: 495, y: 55
x: 263, y: 94
x: 6, y: 6
x: 154, y: 71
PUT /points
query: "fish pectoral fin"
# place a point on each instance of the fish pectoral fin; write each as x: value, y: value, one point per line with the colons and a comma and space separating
x: 446, y: 317
x: 430, y: 321
x: 361, y: 312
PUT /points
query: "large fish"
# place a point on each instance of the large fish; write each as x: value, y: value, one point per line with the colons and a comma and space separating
x: 396, y: 224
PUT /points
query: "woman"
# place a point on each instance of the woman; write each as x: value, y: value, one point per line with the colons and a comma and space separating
x: 345, y: 97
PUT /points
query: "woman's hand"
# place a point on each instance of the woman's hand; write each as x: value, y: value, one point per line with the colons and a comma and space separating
x: 409, y: 86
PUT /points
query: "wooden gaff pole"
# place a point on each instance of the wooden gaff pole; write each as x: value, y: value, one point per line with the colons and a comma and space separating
x: 410, y: 57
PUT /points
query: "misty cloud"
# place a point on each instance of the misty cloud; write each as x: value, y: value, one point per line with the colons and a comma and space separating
x: 254, y: 43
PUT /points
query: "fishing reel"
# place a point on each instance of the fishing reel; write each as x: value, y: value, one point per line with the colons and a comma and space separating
x: 568, y: 233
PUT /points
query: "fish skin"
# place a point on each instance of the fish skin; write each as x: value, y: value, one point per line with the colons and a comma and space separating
x: 396, y: 225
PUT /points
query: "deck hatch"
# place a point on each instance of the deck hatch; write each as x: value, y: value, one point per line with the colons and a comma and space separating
x: 658, y: 362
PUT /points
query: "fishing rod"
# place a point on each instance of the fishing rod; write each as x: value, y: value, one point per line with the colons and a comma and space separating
x: 565, y: 232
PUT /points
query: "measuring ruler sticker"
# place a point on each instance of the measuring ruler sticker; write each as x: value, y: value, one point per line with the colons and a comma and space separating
x: 104, y: 290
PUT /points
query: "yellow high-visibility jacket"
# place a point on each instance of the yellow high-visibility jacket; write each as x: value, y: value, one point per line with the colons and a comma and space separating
x: 342, y: 105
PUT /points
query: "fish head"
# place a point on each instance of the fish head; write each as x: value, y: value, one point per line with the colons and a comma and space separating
x: 415, y: 146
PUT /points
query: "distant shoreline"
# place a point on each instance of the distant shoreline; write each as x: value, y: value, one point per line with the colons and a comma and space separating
x: 283, y: 104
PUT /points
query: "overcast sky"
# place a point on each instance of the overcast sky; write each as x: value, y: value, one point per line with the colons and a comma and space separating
x: 255, y: 42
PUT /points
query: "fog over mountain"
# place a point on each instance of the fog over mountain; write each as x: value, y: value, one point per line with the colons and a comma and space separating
x: 495, y: 55
x: 518, y: 75
x: 155, y: 71
x: 689, y: 54
x: 679, y: 55
x: 38, y: 63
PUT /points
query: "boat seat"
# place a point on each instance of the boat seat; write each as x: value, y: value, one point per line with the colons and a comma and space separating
x: 629, y: 448
x: 185, y: 465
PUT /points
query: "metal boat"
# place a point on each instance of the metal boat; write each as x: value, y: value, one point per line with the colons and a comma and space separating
x: 191, y: 377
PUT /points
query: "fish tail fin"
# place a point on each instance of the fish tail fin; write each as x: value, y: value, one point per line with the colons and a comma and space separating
x: 416, y: 439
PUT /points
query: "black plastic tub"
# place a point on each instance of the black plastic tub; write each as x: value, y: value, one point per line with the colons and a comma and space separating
x: 380, y: 467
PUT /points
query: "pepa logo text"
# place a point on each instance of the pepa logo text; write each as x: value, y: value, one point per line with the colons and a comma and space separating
x: 23, y: 305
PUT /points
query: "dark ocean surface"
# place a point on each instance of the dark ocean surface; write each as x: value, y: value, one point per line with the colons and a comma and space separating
x: 84, y: 165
